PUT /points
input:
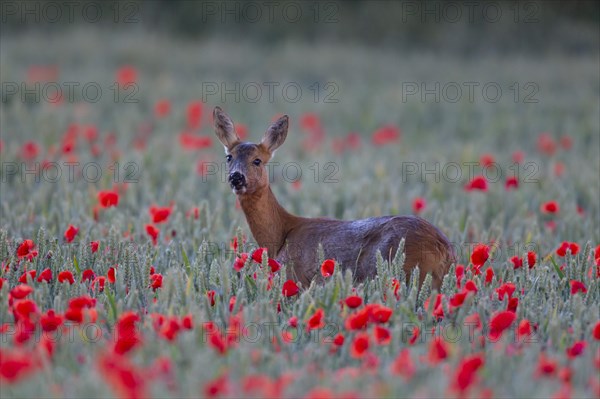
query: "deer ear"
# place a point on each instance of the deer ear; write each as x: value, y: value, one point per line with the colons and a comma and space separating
x: 276, y: 134
x: 224, y: 129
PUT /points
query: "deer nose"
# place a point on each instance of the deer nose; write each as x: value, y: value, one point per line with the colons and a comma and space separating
x: 236, y: 179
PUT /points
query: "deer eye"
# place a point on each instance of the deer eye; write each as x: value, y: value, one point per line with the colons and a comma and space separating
x: 257, y: 162
x: 228, y: 157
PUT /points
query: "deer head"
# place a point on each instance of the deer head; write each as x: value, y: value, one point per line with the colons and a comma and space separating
x: 246, y: 161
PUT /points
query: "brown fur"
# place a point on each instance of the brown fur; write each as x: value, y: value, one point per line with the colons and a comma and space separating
x: 294, y: 240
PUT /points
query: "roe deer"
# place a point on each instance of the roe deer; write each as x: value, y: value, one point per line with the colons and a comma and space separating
x: 294, y: 240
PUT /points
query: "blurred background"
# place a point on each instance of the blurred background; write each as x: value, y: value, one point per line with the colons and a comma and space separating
x: 483, y: 117
x: 374, y: 90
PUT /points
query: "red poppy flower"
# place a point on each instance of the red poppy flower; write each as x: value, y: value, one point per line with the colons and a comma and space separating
x: 23, y: 308
x: 353, y: 301
x: 81, y: 302
x: 459, y: 273
x: 438, y: 350
x: 27, y: 250
x: 466, y: 372
x: 480, y: 255
x: 546, y: 366
x: 160, y: 214
x: 505, y: 289
x: 31, y: 274
x: 30, y: 150
x: 470, y: 286
x: 517, y: 262
x: 234, y: 244
x: 438, y: 309
x: 327, y: 267
x: 289, y: 288
x: 559, y: 169
x: 45, y: 275
x: 511, y: 182
x: 191, y: 141
x: 94, y: 246
x: 218, y: 343
x: 153, y: 232
x: 550, y: 207
x: 339, y: 339
x: 512, y: 304
x: 88, y: 275
x: 126, y: 333
x: 382, y: 335
x: 577, y: 286
x: 385, y: 135
x: 195, y: 213
x: 418, y: 204
x: 15, y: 366
x: 66, y: 276
x: 217, y: 388
x: 478, y: 183
x: 25, y: 329
x: 316, y: 320
x: 531, y: 259
x: 487, y: 160
x: 596, y: 331
x: 458, y: 299
x: 403, y: 365
x: 110, y: 275
x: 99, y: 282
x: 310, y: 121
x: 357, y: 320
x: 211, y: 297
x: 21, y: 291
x: 50, y: 321
x: 546, y: 144
x: 396, y: 288
x: 124, y: 377
x: 240, y: 261
x: 194, y: 114
x: 576, y: 349
x: 379, y: 313
x: 108, y: 198
x: 500, y: 322
x: 360, y: 345
x: 126, y: 75
x: 162, y: 108
x: 274, y: 265
x: 170, y: 329
x: 562, y: 250
x: 489, y: 275
x: 156, y: 280
x: 476, y: 270
x: 70, y: 233
x: 518, y: 156
x: 257, y: 255
x: 566, y: 142
x: 416, y: 333
x: 524, y: 328
x: 187, y: 322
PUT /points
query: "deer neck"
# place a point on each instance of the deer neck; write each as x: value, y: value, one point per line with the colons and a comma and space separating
x: 269, y: 222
